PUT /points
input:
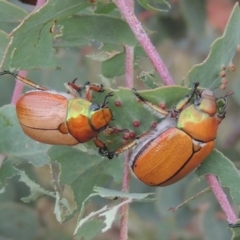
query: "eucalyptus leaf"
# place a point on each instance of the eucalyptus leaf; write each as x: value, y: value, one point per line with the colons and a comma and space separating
x: 208, y: 73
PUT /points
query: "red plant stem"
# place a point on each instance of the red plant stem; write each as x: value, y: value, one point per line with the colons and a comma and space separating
x: 222, y: 198
x: 142, y: 37
x: 129, y: 66
x: 125, y: 207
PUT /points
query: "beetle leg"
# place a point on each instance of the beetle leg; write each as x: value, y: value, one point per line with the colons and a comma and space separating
x: 76, y: 90
x: 25, y: 80
x: 93, y: 87
x: 182, y: 104
x: 71, y: 89
x: 159, y: 112
x: 76, y: 87
x: 102, y: 149
x: 116, y: 130
x: 131, y: 144
x: 126, y: 147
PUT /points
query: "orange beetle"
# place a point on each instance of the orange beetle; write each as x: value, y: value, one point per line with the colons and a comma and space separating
x: 180, y: 142
x: 63, y: 118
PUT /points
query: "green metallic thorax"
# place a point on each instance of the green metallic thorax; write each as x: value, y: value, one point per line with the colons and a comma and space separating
x: 191, y: 114
x: 77, y: 107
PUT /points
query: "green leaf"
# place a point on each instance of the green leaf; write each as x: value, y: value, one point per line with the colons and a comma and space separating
x: 32, y: 40
x: 110, y: 213
x: 235, y: 228
x: 15, y: 144
x: 154, y: 5
x: 228, y: 175
x: 81, y: 171
x: 62, y: 205
x: 89, y: 230
x: 220, y: 56
x: 114, y: 66
x: 36, y: 191
x: 7, y: 170
x: 109, y: 193
x: 4, y: 41
x: 83, y: 29
x: 10, y: 12
x: 104, y: 8
x: 149, y: 79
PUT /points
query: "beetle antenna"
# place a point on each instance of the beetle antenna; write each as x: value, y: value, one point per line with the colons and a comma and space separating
x: 224, y: 104
x: 110, y: 94
x: 226, y: 96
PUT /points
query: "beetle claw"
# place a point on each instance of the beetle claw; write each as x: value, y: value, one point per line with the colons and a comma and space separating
x: 105, y: 152
x: 111, y: 155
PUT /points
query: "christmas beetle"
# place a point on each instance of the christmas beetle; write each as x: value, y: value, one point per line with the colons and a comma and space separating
x: 180, y: 142
x: 63, y: 118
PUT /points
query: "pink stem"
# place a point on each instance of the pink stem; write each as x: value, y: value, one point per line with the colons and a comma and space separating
x: 129, y: 68
x: 222, y: 198
x: 142, y: 37
x: 125, y: 207
x: 126, y: 173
